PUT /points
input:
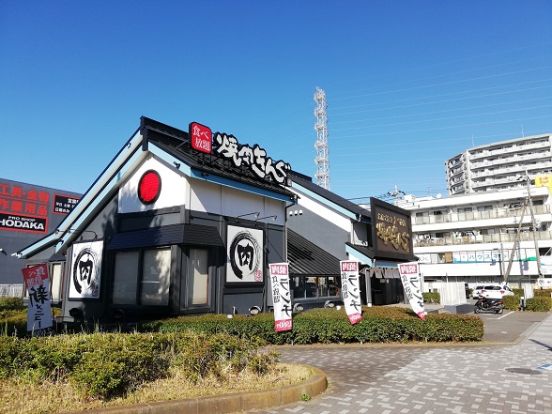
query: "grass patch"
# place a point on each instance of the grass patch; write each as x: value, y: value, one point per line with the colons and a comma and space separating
x: 23, y: 396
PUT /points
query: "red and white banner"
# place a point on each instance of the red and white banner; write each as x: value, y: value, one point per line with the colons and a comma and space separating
x: 412, y: 284
x: 350, y: 290
x: 37, y: 284
x: 281, y: 296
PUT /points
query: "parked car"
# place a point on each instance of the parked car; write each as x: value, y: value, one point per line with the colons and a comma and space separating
x: 492, y: 291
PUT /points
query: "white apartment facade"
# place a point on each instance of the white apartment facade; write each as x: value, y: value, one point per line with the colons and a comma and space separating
x: 471, y: 238
x: 498, y: 166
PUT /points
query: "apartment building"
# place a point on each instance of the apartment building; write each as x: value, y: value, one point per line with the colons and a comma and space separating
x: 498, y: 166
x: 473, y: 238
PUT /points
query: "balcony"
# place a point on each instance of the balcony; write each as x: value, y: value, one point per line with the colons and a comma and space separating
x: 485, y: 238
x: 514, y: 147
x: 478, y: 215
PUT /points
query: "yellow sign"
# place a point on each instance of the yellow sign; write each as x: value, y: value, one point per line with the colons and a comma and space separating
x: 544, y: 181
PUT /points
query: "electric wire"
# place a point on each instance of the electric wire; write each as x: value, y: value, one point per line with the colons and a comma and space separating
x: 338, y: 108
x: 465, y: 108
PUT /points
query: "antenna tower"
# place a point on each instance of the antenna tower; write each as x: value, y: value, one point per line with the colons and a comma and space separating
x: 322, y: 160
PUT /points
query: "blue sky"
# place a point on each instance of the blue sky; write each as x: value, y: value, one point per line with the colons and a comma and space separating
x: 408, y: 83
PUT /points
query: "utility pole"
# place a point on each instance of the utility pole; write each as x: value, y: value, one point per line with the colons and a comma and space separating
x: 516, y: 244
x: 533, y: 223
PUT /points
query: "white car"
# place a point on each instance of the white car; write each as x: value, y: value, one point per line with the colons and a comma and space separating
x: 492, y: 291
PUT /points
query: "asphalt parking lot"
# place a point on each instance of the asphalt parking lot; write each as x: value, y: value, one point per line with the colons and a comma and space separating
x: 509, y: 326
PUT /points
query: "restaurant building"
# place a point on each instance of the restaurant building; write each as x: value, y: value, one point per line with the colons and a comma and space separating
x: 29, y: 212
x: 179, y: 222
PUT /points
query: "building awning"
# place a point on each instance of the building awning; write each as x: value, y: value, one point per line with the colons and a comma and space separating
x: 306, y: 258
x: 193, y: 234
x: 383, y: 273
x: 360, y: 253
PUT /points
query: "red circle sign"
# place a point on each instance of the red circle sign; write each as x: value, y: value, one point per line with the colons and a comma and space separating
x: 149, y: 187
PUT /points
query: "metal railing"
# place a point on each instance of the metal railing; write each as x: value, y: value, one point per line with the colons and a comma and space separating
x: 477, y: 215
x: 484, y: 238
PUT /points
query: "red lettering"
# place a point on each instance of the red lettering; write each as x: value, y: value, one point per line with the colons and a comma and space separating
x: 17, y: 191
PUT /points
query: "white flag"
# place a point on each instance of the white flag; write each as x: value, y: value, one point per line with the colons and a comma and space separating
x: 281, y: 296
x: 350, y: 290
x: 412, y: 284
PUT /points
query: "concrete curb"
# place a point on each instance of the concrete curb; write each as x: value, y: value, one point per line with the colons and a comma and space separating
x: 230, y: 403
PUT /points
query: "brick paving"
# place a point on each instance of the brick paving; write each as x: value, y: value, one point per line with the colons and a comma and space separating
x: 457, y: 380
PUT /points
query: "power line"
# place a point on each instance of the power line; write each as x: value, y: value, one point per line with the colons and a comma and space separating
x: 421, y: 121
x: 364, y: 135
x: 454, y: 82
x: 478, y: 56
x: 445, y: 111
x: 417, y: 147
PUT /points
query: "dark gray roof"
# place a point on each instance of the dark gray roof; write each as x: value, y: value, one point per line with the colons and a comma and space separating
x: 177, y: 143
x: 306, y: 258
x: 366, y: 251
x: 307, y: 183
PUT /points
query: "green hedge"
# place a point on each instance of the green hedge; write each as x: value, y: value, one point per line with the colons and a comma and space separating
x: 539, y: 304
x: 332, y: 326
x: 110, y: 365
x: 511, y: 302
x: 14, y: 322
x: 518, y: 292
x: 543, y: 292
x: 431, y: 297
x: 11, y: 304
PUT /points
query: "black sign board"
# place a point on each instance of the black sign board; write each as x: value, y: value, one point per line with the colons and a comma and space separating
x: 13, y: 222
x: 64, y: 204
x: 392, y: 231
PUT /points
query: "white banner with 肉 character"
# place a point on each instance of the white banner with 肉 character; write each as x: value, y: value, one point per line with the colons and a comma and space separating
x: 412, y: 284
x: 350, y: 290
x: 281, y: 296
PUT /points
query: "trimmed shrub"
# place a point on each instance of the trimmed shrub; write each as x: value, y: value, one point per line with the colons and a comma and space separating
x: 511, y: 302
x: 539, y: 304
x: 543, y: 292
x: 332, y: 326
x: 431, y: 297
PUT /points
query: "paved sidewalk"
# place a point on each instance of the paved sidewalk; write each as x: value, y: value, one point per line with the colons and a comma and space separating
x: 457, y: 380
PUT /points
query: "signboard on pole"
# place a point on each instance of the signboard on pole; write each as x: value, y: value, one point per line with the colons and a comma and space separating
x: 281, y: 296
x: 37, y: 284
x: 412, y: 285
x: 350, y: 290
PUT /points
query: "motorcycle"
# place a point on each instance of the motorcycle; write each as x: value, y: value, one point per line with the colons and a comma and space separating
x: 488, y: 305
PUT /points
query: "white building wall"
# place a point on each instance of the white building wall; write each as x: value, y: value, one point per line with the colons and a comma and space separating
x: 179, y: 190
x: 173, y: 188
x: 324, y: 212
x: 212, y: 198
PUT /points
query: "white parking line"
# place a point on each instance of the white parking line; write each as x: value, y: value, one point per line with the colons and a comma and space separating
x: 506, y: 314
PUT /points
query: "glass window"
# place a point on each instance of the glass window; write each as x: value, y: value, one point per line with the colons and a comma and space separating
x: 125, y: 278
x: 156, y: 276
x: 199, y: 283
x: 315, y: 287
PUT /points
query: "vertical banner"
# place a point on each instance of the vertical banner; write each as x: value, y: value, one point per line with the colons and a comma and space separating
x: 412, y: 285
x: 37, y: 284
x: 351, y: 291
x: 281, y: 296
